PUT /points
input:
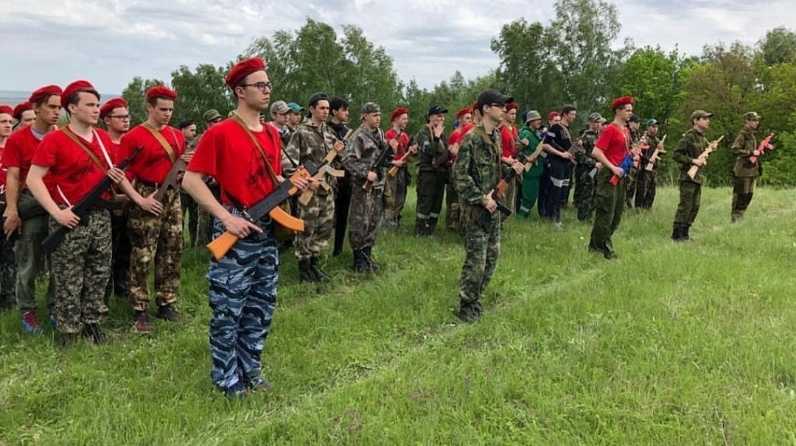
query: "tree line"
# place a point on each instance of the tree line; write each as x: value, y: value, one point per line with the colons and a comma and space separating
x: 574, y: 59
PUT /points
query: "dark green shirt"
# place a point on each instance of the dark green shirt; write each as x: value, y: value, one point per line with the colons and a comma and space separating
x: 690, y: 146
x: 429, y: 148
x: 742, y: 148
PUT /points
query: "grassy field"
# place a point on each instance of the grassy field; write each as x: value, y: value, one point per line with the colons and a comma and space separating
x: 673, y: 344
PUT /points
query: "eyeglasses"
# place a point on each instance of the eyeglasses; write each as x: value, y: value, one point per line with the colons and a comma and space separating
x: 122, y: 117
x: 260, y: 86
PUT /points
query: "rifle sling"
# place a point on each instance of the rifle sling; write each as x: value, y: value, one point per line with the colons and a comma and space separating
x: 162, y: 141
x: 259, y: 148
x: 94, y: 158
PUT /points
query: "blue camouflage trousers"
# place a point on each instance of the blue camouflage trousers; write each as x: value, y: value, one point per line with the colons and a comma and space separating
x: 242, y: 296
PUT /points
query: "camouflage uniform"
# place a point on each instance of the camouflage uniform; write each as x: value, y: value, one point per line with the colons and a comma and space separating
x: 367, y: 207
x: 530, y: 179
x: 647, y: 179
x: 311, y: 142
x: 431, y: 181
x: 81, y: 266
x: 8, y: 274
x: 586, y: 176
x: 31, y: 257
x: 745, y: 173
x: 690, y: 146
x: 119, y: 283
x: 477, y: 171
x: 159, y: 239
x: 632, y: 176
x: 242, y: 295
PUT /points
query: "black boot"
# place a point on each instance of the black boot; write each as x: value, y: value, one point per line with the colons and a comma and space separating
x: 374, y: 267
x: 317, y: 272
x: 686, y: 236
x: 93, y: 333
x: 305, y: 272
x: 432, y: 226
x: 420, y: 227
x: 677, y: 233
x: 360, y: 263
x: 469, y: 312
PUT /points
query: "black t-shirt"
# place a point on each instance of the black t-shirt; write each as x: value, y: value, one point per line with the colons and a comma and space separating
x: 559, y: 137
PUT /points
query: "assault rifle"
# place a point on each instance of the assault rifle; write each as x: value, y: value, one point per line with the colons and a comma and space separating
x: 485, y: 217
x: 268, y: 206
x: 325, y: 167
x: 91, y: 200
x: 654, y: 157
x: 172, y: 179
x: 765, y: 146
x: 410, y: 152
x: 704, y: 156
x: 378, y: 166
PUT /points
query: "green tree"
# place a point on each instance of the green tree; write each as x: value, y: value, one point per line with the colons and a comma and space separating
x: 200, y: 91
x: 778, y: 46
x: 135, y: 95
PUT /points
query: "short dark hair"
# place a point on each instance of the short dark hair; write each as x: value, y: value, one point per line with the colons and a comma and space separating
x: 153, y: 101
x: 568, y: 108
x: 43, y: 100
x: 74, y: 98
x: 338, y: 103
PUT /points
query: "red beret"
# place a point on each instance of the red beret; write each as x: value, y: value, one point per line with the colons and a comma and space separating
x: 552, y: 115
x: 49, y: 90
x: 511, y: 106
x: 462, y: 112
x: 112, y: 105
x: 73, y: 88
x: 474, y: 106
x: 244, y: 68
x: 397, y: 113
x: 160, y: 91
x: 7, y: 110
x: 22, y: 107
x: 621, y: 102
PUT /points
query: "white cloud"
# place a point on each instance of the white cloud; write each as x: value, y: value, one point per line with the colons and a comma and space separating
x: 110, y: 41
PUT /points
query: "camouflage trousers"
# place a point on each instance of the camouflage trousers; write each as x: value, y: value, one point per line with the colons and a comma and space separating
x: 452, y: 206
x: 482, y: 248
x: 647, y: 186
x: 318, y: 216
x: 81, y: 268
x: 364, y: 218
x: 688, y: 208
x: 189, y: 216
x: 119, y: 283
x: 242, y: 296
x: 395, y: 196
x: 586, y: 192
x: 742, y: 191
x: 632, y: 184
x: 159, y: 240
x: 609, y: 204
x: 31, y: 258
x: 8, y: 274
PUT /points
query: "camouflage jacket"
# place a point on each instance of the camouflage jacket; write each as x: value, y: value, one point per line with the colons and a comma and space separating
x: 310, y: 142
x: 478, y: 168
x: 652, y: 142
x: 690, y: 146
x: 429, y: 149
x: 361, y: 152
x: 584, y: 157
x: 742, y: 148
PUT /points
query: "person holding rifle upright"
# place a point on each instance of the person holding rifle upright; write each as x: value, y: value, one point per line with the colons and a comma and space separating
x: 612, y: 151
x: 477, y: 171
x: 74, y: 161
x: 691, y: 153
x: 746, y: 171
x: 398, y: 183
x: 244, y: 157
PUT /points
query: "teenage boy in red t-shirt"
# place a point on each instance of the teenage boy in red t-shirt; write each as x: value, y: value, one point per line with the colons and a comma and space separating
x: 242, y: 290
x: 75, y: 160
x: 395, y: 188
x: 8, y: 266
x: 611, y: 149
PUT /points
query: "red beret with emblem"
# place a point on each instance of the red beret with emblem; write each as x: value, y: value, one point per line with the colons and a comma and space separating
x: 49, y: 90
x: 244, y: 68
x: 112, y: 105
x: 73, y: 88
x: 161, y: 91
x: 621, y: 102
x: 397, y: 113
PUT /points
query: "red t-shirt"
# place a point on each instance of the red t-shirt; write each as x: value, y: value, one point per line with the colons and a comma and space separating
x: 70, y: 167
x: 226, y: 153
x: 3, y: 172
x: 508, y: 137
x: 20, y: 147
x: 614, y: 142
x: 153, y: 163
x: 403, y: 142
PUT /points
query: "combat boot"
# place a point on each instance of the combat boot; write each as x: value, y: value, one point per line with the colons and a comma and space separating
x: 686, y: 236
x: 368, y: 252
x: 317, y: 272
x: 305, y: 272
x: 360, y: 262
x: 677, y: 234
x: 93, y: 333
x: 420, y: 227
x: 431, y: 226
x: 469, y: 312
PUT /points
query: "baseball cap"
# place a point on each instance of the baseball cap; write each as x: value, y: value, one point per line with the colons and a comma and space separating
x: 211, y: 115
x: 596, y: 117
x: 295, y: 108
x: 492, y: 96
x: 370, y: 107
x: 751, y: 116
x: 437, y: 110
x: 700, y: 114
x: 279, y: 108
x: 651, y: 122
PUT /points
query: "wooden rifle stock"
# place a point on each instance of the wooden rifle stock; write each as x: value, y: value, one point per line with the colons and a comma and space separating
x: 704, y: 156
x: 307, y: 195
x: 654, y: 157
x: 172, y: 179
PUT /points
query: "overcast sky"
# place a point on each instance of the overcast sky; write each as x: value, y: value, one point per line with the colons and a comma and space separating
x: 110, y: 41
